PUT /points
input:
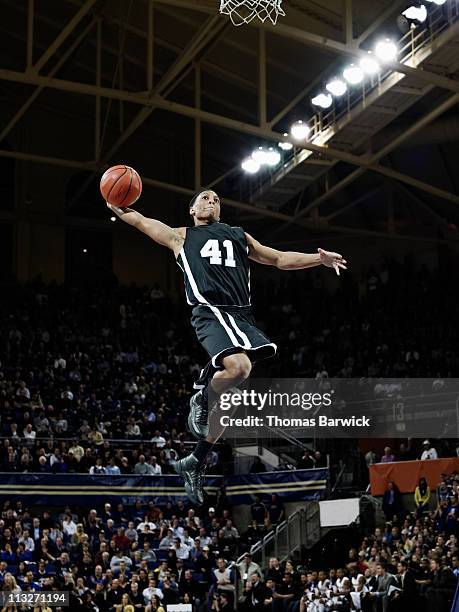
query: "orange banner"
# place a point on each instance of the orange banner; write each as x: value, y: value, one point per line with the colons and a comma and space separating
x: 406, y: 474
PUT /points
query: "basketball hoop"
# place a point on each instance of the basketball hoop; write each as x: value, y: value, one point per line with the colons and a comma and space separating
x: 243, y: 11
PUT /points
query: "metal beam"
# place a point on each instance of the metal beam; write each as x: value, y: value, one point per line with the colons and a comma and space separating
x: 200, y: 40
x: 203, y: 6
x: 197, y: 129
x: 65, y: 32
x: 97, y: 132
x: 30, y: 20
x: 262, y: 100
x: 374, y: 165
x: 348, y: 25
x: 170, y: 79
x: 354, y: 203
x: 150, y: 44
x: 393, y: 6
x: 24, y: 108
x: 248, y: 208
x: 181, y: 109
x: 205, y: 65
x: 409, y: 180
x: 439, y: 221
x: 157, y: 101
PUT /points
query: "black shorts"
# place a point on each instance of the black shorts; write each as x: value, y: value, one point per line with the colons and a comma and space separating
x: 226, y: 330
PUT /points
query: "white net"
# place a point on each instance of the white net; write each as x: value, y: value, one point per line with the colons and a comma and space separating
x: 243, y: 11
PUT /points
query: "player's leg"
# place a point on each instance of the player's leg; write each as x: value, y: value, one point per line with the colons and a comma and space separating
x: 236, y: 369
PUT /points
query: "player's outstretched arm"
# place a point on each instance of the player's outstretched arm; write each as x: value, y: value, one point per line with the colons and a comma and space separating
x: 158, y: 231
x: 291, y: 260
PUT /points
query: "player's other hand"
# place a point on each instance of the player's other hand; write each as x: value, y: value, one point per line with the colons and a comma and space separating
x: 332, y: 260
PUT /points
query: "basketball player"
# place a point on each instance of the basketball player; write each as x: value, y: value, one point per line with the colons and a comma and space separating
x: 214, y: 258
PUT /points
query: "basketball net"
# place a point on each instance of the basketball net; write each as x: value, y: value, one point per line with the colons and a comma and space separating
x: 243, y: 11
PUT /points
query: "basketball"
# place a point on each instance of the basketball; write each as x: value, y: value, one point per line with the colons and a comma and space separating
x: 121, y: 186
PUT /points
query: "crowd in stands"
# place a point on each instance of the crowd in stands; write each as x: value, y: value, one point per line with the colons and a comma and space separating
x: 79, y: 368
x: 144, y: 557
x: 99, y: 382
x: 147, y: 554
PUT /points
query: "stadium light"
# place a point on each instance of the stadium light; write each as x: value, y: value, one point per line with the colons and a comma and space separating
x: 337, y: 87
x: 386, y: 50
x: 300, y: 130
x: 259, y: 155
x: 323, y: 100
x: 284, y: 145
x: 85, y: 250
x: 250, y: 166
x: 369, y: 65
x: 272, y: 157
x: 353, y: 74
x: 416, y: 13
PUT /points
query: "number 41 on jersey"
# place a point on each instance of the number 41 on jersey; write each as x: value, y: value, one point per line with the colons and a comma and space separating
x: 212, y: 250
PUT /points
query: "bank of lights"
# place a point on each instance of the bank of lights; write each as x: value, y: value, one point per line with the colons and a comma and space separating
x: 416, y: 13
x: 386, y: 50
x: 250, y: 166
x: 369, y: 65
x: 300, y: 130
x: 266, y: 157
x: 336, y: 87
x: 323, y: 100
x: 285, y: 145
x: 353, y: 74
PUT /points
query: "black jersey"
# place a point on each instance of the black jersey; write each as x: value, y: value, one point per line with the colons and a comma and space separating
x: 215, y: 263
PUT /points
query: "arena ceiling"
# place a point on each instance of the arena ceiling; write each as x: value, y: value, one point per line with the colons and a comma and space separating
x: 157, y: 72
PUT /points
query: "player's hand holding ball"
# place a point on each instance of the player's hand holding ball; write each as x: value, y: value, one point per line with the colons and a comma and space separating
x: 120, y: 186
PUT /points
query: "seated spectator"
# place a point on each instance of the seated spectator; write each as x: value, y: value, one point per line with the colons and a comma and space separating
x: 98, y: 468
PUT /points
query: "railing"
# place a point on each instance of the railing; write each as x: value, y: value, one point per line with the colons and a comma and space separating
x: 440, y: 18
x: 300, y: 529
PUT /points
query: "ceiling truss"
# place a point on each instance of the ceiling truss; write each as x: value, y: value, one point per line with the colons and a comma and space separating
x: 190, y: 59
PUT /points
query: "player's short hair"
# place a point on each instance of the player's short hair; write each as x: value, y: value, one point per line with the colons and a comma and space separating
x: 194, y: 198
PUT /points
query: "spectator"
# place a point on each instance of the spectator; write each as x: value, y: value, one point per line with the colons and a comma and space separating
x: 385, y: 581
x: 306, y: 462
x: 388, y: 457
x: 258, y: 511
x: 257, y: 466
x: 98, y: 468
x: 247, y: 567
x: 276, y: 510
x: 428, y: 452
x: 141, y: 467
x: 392, y: 501
x: 422, y: 496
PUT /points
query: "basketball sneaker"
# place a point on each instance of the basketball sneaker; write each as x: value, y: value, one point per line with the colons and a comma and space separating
x: 198, y: 418
x: 193, y: 475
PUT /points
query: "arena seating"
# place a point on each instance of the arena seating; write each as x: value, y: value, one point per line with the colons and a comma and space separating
x: 98, y: 383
